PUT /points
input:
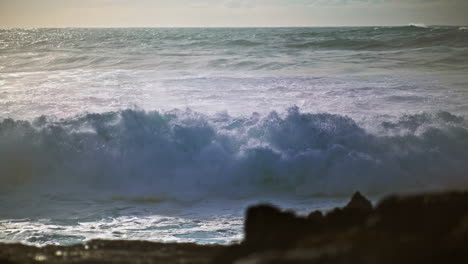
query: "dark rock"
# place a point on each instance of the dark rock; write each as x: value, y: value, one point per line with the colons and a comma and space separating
x: 267, y: 226
x: 428, y: 214
x: 316, y: 216
x: 5, y: 261
x: 110, y: 251
x: 359, y: 202
x: 353, y: 214
x: 429, y: 228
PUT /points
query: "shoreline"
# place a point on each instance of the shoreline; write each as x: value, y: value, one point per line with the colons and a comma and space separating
x: 417, y: 228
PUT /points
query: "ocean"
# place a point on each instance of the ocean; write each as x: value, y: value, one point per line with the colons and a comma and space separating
x: 168, y: 134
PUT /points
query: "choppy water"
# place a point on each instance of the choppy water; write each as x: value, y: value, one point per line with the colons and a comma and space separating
x: 168, y: 134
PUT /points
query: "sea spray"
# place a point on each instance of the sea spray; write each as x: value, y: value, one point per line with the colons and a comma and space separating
x: 185, y: 154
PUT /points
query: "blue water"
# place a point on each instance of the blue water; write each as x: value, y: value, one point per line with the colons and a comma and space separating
x: 168, y: 134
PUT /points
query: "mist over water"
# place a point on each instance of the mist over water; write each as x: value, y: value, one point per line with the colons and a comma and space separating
x: 168, y: 134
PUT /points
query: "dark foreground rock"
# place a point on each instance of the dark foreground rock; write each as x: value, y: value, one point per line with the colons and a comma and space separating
x: 110, y: 251
x: 428, y: 228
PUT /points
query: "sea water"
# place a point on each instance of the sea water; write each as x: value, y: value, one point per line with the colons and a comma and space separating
x: 168, y: 134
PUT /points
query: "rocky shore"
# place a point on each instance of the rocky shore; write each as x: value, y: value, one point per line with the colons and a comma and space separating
x: 425, y: 228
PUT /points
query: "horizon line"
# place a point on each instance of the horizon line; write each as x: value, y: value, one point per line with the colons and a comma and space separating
x: 175, y: 27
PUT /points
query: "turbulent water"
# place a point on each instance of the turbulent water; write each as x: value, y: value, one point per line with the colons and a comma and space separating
x: 168, y: 134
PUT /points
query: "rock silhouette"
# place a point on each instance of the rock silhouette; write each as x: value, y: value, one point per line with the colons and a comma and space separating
x: 359, y: 202
x: 425, y: 228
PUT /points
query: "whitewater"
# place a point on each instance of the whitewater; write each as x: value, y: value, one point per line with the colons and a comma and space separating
x: 168, y: 134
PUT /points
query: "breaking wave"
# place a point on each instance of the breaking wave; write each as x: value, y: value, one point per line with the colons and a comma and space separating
x: 188, y: 154
x: 418, y: 25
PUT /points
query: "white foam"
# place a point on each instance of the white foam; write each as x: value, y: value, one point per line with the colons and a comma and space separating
x: 420, y: 25
x: 72, y: 92
x: 210, y: 221
x: 186, y: 155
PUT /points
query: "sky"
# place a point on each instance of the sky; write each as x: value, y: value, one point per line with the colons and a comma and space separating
x: 229, y: 13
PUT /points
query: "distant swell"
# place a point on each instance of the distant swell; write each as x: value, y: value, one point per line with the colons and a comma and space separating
x: 31, y: 50
x: 188, y: 154
x: 393, y: 40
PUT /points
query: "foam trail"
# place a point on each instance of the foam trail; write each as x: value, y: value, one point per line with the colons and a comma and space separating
x: 186, y: 155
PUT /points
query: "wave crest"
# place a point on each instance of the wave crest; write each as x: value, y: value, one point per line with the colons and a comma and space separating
x: 418, y: 25
x: 188, y: 154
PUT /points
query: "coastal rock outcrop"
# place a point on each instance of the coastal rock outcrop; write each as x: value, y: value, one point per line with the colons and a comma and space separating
x: 359, y: 202
x: 262, y: 219
x: 425, y: 228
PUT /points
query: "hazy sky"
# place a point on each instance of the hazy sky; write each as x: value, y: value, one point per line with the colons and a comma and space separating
x: 235, y: 13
